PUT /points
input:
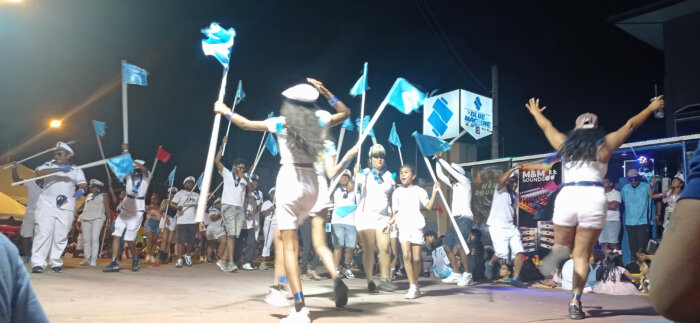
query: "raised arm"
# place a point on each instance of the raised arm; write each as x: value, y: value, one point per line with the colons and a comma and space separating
x: 341, y: 110
x: 555, y: 138
x: 217, y: 159
x: 15, y: 175
x: 441, y: 174
x: 333, y: 170
x: 431, y: 202
x: 501, y: 182
x: 239, y: 120
x: 614, y: 140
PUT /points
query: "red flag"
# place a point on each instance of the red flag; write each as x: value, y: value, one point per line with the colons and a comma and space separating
x: 163, y: 155
x: 438, y: 208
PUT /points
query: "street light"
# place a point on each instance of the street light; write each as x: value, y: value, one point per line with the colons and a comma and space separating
x: 55, y: 123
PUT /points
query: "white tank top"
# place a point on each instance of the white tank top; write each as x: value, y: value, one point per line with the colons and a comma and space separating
x: 578, y: 171
x: 94, y: 208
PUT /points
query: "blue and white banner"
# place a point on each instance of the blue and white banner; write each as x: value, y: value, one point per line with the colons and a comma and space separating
x: 132, y: 74
x: 441, y: 115
x: 476, y: 114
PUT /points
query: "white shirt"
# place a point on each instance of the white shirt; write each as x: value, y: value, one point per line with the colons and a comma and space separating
x: 613, y: 195
x: 267, y: 205
x: 234, y: 188
x: 136, y: 190
x: 407, y: 202
x: 61, y: 183
x: 33, y: 192
x: 276, y: 125
x: 188, y: 201
x: 94, y: 207
x: 342, y: 197
x: 502, y: 209
x: 374, y: 196
x: 207, y: 219
x: 461, y: 190
x: 253, y: 203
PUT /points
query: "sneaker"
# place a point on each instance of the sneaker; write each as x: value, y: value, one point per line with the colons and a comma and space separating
x: 314, y: 275
x: 393, y: 274
x: 305, y: 277
x: 222, y: 265
x: 575, y: 312
x: 277, y: 298
x: 188, y: 261
x: 113, y: 267
x: 387, y: 286
x: 302, y: 316
x: 232, y: 267
x: 413, y: 292
x: 247, y: 266
x: 348, y: 273
x: 93, y: 263
x: 465, y: 280
x: 57, y: 269
x: 372, y: 287
x: 488, y: 272
x: 85, y: 262
x: 136, y: 264
x: 518, y: 283
x: 37, y: 270
x: 179, y: 262
x: 263, y: 266
x: 453, y: 278
x: 340, y: 293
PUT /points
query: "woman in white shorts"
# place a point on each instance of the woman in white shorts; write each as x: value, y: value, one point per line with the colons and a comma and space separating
x: 169, y: 223
x: 297, y: 131
x: 579, y: 210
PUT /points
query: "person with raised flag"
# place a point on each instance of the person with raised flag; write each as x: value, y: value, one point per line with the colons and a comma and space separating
x: 167, y: 237
x: 96, y: 211
x: 55, y: 208
x: 232, y: 206
x: 297, y: 131
x: 461, y: 208
x: 579, y: 210
x: 343, y: 222
x: 129, y: 220
x: 375, y: 186
x: 185, y: 202
x: 26, y: 231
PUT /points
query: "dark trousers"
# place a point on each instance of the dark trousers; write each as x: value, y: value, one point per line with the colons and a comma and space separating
x: 249, y: 245
x: 638, y: 237
x: 308, y: 256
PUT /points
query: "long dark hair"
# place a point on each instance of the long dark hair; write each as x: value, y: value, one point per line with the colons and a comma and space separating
x: 582, y: 145
x: 303, y: 130
x: 612, y: 261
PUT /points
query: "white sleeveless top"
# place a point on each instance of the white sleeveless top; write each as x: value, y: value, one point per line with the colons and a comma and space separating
x: 578, y: 171
x: 94, y: 207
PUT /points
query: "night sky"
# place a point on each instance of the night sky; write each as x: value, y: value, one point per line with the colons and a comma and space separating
x: 61, y: 59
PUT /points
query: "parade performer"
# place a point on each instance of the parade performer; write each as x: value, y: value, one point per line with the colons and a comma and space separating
x: 95, y: 212
x: 343, y: 223
x: 185, y: 201
x: 268, y: 212
x: 169, y: 223
x: 232, y: 206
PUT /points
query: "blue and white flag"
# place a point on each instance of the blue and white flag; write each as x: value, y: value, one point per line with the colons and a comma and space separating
x: 430, y: 146
x: 361, y: 85
x: 393, y: 136
x: 218, y: 43
x: 271, y: 145
x: 121, y: 165
x: 347, y: 124
x: 240, y: 95
x: 171, y: 177
x: 404, y: 96
x: 343, y: 211
x: 364, y: 125
x: 199, y: 181
x: 99, y: 127
x: 132, y: 74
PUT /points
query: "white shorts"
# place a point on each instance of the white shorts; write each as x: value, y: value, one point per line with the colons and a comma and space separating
x: 173, y: 223
x: 580, y: 206
x: 129, y: 223
x: 297, y: 192
x: 370, y: 221
x: 412, y: 235
x: 393, y: 233
x: 503, y: 238
x: 324, y: 200
x: 214, y: 232
x: 161, y: 224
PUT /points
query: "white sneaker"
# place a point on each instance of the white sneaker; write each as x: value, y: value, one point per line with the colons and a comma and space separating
x: 413, y: 292
x: 348, y: 273
x: 263, y: 266
x: 466, y: 280
x: 178, y: 264
x: 93, y: 263
x: 277, y: 298
x: 453, y: 278
x: 222, y: 265
x: 188, y: 261
x: 232, y: 267
x: 302, y: 316
x: 247, y: 266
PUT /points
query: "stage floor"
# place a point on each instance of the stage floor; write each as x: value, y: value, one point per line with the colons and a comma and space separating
x: 203, y: 293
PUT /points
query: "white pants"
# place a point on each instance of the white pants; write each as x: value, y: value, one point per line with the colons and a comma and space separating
x: 91, y: 238
x: 51, y: 234
x: 269, y: 227
x: 503, y: 238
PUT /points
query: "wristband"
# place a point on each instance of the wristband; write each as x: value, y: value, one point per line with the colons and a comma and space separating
x: 228, y: 115
x: 332, y: 101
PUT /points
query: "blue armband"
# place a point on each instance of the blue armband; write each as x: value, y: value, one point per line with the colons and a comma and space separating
x: 228, y: 115
x: 332, y: 101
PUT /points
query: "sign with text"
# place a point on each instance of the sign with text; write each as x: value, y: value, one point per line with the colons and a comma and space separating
x: 476, y: 114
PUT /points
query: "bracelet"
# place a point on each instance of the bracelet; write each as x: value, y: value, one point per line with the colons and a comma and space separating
x: 228, y: 115
x: 332, y: 101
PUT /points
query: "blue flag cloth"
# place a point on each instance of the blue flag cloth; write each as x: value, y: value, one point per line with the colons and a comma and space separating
x: 270, y: 115
x: 430, y: 145
x: 218, y: 43
x: 121, y: 165
x: 361, y: 85
x: 271, y: 145
x: 171, y: 177
x: 240, y: 95
x: 343, y: 211
x: 347, y: 124
x: 199, y: 181
x: 365, y: 123
x: 393, y: 136
x: 99, y: 127
x: 132, y: 74
x: 404, y: 96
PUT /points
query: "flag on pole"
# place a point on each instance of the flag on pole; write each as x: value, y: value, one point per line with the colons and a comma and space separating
x: 218, y: 43
x: 364, y: 125
x: 347, y: 124
x: 404, y: 96
x: 199, y: 181
x: 271, y: 145
x: 393, y: 136
x: 171, y: 176
x: 132, y: 74
x: 361, y: 85
x: 343, y: 211
x: 99, y: 127
x: 121, y: 165
x: 430, y: 145
x: 240, y: 95
x: 162, y: 155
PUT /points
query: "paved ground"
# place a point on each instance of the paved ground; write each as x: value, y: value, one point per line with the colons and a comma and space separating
x: 203, y: 293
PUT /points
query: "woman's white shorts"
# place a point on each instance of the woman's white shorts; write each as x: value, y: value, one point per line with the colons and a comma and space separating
x: 580, y: 206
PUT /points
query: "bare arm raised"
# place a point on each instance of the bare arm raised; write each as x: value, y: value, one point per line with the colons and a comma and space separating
x: 614, y: 140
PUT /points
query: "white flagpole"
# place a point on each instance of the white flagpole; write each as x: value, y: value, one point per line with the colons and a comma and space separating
x: 88, y: 165
x: 258, y: 155
x: 400, y: 156
x: 209, y: 167
x: 125, y: 113
x: 36, y: 155
x: 365, y: 132
x: 233, y: 108
x: 102, y: 153
x: 362, y: 123
x: 155, y: 162
x: 340, y: 142
x: 168, y: 204
x: 464, y: 132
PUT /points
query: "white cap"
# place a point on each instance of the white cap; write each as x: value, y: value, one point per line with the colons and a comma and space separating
x: 94, y: 182
x: 346, y: 172
x: 458, y: 168
x: 140, y: 162
x: 218, y: 199
x: 64, y: 146
x: 270, y: 191
x: 680, y: 176
x: 172, y: 190
x: 189, y: 178
x: 301, y: 92
x: 377, y: 149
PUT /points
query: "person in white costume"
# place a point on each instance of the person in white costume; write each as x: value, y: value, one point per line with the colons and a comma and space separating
x: 96, y: 211
x: 26, y: 231
x: 267, y: 211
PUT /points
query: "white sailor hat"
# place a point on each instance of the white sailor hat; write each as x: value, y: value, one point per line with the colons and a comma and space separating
x: 172, y: 190
x: 139, y: 161
x: 458, y: 168
x: 270, y: 191
x: 301, y: 92
x: 377, y: 149
x: 64, y: 146
x: 680, y: 177
x: 189, y: 178
x: 346, y: 172
x: 218, y: 199
x: 95, y: 182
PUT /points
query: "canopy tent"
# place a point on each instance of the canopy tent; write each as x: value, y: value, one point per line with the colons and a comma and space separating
x: 9, y: 208
x: 18, y: 193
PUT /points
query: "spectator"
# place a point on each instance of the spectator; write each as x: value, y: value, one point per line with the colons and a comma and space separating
x: 670, y: 197
x: 635, y: 195
x: 610, y: 236
x: 616, y: 279
x: 18, y: 302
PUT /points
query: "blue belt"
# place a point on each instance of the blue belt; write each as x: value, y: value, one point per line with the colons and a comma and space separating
x: 582, y: 183
x: 135, y: 197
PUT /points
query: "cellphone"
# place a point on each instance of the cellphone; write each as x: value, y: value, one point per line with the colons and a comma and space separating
x: 328, y: 227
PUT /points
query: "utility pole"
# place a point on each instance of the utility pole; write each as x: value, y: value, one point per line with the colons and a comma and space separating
x: 494, y: 96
